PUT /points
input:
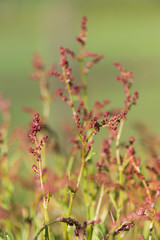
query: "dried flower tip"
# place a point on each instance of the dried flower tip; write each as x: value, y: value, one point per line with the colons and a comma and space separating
x: 84, y: 21
x: 70, y: 52
x: 36, y: 127
x: 106, y: 114
x: 131, y: 140
x: 55, y: 74
x: 63, y: 59
x: 37, y: 62
x: 4, y: 105
x: 82, y: 38
x: 138, y: 161
x: 119, y: 66
x: 93, y: 62
x: 61, y: 50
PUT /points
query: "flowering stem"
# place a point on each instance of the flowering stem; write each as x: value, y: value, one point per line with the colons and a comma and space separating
x: 85, y: 189
x: 69, y: 167
x: 120, y: 168
x: 117, y: 142
x: 102, y: 191
x: 84, y: 81
x: 68, y: 215
x: 45, y: 204
x: 75, y: 191
x: 85, y: 99
x: 99, y: 202
x: 69, y: 92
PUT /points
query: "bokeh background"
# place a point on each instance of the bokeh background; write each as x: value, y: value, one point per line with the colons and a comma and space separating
x: 127, y: 31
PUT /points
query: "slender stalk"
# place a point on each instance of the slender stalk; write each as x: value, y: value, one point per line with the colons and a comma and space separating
x: 117, y: 142
x: 69, y: 167
x: 45, y: 202
x: 150, y: 230
x: 102, y: 191
x: 66, y: 237
x: 69, y: 91
x: 42, y: 187
x: 99, y: 202
x: 84, y: 81
x: 74, y: 193
x: 120, y: 168
x: 85, y: 189
x: 113, y: 201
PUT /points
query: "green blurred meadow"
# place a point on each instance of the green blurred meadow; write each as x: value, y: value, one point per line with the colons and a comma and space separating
x: 124, y: 31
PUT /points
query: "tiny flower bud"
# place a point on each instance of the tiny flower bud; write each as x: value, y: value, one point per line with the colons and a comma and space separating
x: 131, y: 140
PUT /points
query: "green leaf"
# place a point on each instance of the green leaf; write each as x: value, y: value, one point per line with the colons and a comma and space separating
x: 9, y: 236
x: 64, y: 205
x: 90, y: 155
x: 1, y: 235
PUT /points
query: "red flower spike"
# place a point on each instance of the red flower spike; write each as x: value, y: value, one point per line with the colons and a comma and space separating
x: 33, y: 135
x: 82, y: 38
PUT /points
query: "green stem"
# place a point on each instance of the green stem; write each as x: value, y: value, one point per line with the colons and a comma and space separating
x: 117, y: 142
x: 45, y: 204
x: 85, y: 189
x: 66, y: 237
x: 69, y: 92
x: 120, y: 169
x: 74, y: 193
x: 99, y: 202
x: 69, y: 167
x: 84, y: 81
x: 102, y: 191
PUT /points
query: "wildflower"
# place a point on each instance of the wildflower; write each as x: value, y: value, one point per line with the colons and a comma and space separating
x: 39, y: 143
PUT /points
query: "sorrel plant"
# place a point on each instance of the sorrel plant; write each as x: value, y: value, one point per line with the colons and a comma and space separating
x: 81, y: 194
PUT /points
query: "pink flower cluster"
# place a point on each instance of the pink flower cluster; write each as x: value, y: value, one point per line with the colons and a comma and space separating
x: 82, y: 38
x: 36, y: 127
x: 126, y: 78
x: 33, y: 135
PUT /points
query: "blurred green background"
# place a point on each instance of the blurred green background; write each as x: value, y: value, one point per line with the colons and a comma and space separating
x: 125, y: 31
